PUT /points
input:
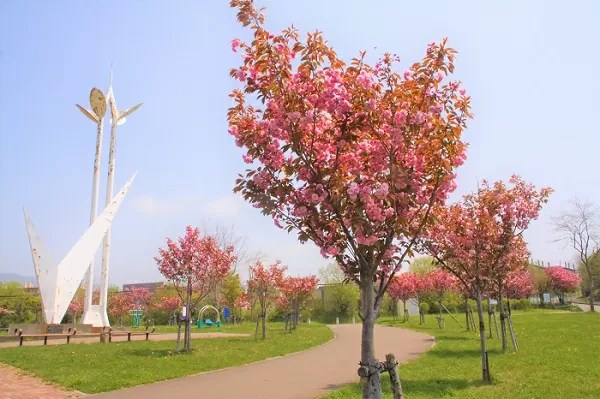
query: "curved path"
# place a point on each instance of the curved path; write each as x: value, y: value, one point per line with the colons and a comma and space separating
x: 303, y: 375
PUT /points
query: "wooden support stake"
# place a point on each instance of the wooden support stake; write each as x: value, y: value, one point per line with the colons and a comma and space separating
x: 391, y: 365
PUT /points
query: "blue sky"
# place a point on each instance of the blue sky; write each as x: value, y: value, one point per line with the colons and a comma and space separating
x: 530, y: 67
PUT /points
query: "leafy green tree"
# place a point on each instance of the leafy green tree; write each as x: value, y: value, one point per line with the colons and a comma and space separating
x: 231, y: 291
x: 344, y: 294
x: 22, y: 305
x: 422, y: 265
x: 594, y: 264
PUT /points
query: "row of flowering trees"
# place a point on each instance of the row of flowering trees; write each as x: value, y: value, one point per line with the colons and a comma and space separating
x: 360, y: 159
x: 120, y: 304
x: 196, y: 264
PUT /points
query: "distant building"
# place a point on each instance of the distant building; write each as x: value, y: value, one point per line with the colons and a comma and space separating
x: 152, y: 287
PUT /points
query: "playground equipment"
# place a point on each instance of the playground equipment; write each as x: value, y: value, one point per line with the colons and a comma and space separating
x: 136, y: 317
x: 208, y: 322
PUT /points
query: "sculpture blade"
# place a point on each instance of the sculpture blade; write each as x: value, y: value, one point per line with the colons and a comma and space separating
x: 88, y: 113
x: 74, y: 265
x: 45, y: 269
x: 129, y: 111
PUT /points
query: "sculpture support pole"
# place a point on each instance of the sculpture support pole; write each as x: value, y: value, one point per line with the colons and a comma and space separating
x: 118, y: 118
x: 89, y: 285
x: 96, y: 114
x: 106, y: 246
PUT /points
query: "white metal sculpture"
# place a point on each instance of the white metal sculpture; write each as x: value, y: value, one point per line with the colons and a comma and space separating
x: 117, y: 118
x: 58, y: 283
x: 91, y: 312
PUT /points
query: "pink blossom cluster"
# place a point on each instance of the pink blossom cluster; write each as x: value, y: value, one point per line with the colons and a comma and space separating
x: 139, y: 297
x: 519, y: 284
x: 480, y: 238
x: 168, y: 303
x: 264, y: 280
x: 196, y: 260
x: 561, y: 280
x: 439, y: 281
x: 295, y: 291
x: 243, y: 301
x: 119, y: 305
x: 76, y: 305
x: 351, y: 156
x: 405, y: 286
x: 409, y: 285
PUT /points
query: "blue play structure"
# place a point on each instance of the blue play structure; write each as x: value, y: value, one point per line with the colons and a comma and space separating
x: 208, y: 323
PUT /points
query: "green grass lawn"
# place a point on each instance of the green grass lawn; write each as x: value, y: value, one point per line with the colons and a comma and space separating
x: 93, y: 368
x: 559, y: 357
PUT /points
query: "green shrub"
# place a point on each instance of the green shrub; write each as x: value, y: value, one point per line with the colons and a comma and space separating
x: 424, y: 307
x: 521, y: 304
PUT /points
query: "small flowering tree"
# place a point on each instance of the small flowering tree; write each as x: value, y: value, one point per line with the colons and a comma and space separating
x: 119, y: 305
x: 243, y: 302
x: 262, y: 285
x: 479, y: 240
x: 404, y: 287
x: 440, y: 282
x: 139, y: 298
x: 168, y: 304
x: 195, y: 264
x: 76, y: 307
x: 296, y: 291
x: 519, y: 285
x: 422, y: 289
x: 353, y: 157
x: 561, y: 281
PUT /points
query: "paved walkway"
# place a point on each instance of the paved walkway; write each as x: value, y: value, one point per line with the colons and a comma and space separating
x: 16, y: 385
x: 586, y: 307
x: 308, y: 374
x: 304, y: 375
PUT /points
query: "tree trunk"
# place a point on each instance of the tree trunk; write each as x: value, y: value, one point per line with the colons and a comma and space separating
x: 178, y: 336
x: 513, y: 336
x: 187, y: 345
x: 406, y: 316
x: 502, y: 323
x: 485, y: 370
x: 368, y: 371
x: 591, y: 287
x: 256, y: 330
x: 467, y: 314
x: 489, y: 308
x: 264, y: 318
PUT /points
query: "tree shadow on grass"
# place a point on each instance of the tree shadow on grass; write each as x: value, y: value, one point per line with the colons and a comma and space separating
x: 456, y: 353
x: 462, y: 353
x: 437, y: 387
x: 453, y: 338
x: 156, y: 352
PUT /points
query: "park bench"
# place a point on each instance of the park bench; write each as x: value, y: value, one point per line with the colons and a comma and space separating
x: 128, y: 334
x: 45, y: 336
